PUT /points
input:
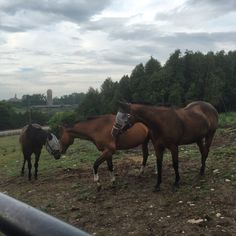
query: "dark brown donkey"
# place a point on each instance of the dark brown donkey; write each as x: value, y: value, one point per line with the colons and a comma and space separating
x: 195, y: 123
x: 32, y: 139
x: 98, y: 130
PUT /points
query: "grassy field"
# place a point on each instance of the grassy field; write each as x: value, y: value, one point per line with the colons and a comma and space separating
x: 66, y: 190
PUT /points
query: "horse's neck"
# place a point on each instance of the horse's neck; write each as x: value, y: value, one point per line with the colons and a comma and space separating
x: 82, y: 130
x: 151, y: 117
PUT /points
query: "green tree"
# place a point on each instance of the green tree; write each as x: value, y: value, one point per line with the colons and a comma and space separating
x: 71, y: 99
x: 61, y: 118
x: 152, y: 66
x: 138, y: 83
x: 35, y: 99
x: 91, y: 104
x: 6, y: 117
x: 175, y: 79
x: 107, y: 96
x: 124, y: 90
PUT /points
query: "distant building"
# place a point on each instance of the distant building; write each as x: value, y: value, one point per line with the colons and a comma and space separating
x: 49, y: 97
x: 15, y: 99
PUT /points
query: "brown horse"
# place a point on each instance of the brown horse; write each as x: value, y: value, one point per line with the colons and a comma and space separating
x: 195, y: 123
x: 98, y: 130
x: 32, y: 139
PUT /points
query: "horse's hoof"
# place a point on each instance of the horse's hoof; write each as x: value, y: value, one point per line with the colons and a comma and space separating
x: 175, y: 187
x: 113, y: 186
x: 202, y: 173
x: 141, y: 173
x: 156, y: 189
x: 99, y: 187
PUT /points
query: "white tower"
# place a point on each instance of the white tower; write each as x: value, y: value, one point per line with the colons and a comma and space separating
x: 49, y: 97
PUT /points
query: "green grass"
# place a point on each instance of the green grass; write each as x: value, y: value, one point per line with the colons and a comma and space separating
x: 10, y: 155
x: 227, y: 119
x: 81, y: 153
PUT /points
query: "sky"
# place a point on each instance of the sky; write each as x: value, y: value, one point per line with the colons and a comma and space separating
x: 71, y: 45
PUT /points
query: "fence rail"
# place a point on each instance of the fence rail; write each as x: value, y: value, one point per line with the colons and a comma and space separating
x: 18, y: 218
x: 15, y: 131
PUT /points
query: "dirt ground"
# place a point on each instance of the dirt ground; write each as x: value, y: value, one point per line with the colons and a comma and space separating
x: 202, y: 206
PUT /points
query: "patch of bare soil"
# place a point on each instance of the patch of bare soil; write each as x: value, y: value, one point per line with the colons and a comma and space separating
x: 205, y: 206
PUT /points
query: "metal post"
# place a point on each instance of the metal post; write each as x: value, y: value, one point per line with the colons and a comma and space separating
x: 18, y: 218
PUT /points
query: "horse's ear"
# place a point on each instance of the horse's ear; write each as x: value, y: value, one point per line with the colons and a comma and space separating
x: 124, y: 106
x: 64, y: 124
x: 49, y: 136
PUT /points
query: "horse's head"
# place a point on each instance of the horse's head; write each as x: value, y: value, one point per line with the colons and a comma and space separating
x: 53, y: 146
x: 123, y: 121
x: 133, y: 109
x: 124, y: 107
x: 65, y: 139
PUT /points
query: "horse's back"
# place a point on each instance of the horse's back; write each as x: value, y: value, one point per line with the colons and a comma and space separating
x: 28, y: 136
x: 198, y: 119
x: 206, y: 110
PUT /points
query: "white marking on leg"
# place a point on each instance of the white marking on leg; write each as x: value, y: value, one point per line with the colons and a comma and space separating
x: 141, y: 171
x: 113, y: 178
x: 155, y: 169
x: 96, y: 178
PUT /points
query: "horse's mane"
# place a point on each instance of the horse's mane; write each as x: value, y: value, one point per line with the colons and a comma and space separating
x: 161, y: 104
x: 143, y: 103
x: 85, y: 119
x: 70, y: 125
x: 93, y: 117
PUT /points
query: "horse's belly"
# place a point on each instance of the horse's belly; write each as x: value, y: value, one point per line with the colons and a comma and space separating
x: 192, y: 137
x: 130, y: 140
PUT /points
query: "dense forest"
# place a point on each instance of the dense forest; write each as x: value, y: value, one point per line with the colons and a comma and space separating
x: 185, y: 77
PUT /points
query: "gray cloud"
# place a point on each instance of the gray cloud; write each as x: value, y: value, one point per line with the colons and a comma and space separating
x: 106, y: 23
x: 193, y: 12
x: 72, y: 9
x: 144, y: 32
x: 26, y: 15
x: 215, y: 6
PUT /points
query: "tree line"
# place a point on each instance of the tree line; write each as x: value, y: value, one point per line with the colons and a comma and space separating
x: 11, y: 119
x: 183, y: 78
x: 17, y: 113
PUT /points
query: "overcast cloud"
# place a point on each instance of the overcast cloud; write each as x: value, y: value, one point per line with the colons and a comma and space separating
x: 70, y: 45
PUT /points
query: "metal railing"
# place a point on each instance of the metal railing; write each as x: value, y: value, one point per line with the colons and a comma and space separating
x: 20, y: 219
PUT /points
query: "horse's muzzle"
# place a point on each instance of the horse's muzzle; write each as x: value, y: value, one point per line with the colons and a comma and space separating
x: 57, y: 154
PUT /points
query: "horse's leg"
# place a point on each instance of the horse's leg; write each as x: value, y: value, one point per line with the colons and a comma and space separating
x: 175, y: 161
x: 36, y: 164
x: 105, y: 155
x: 204, y: 149
x: 203, y: 159
x: 159, y: 157
x: 29, y: 167
x: 145, y: 156
x: 23, y: 167
x: 110, y: 168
